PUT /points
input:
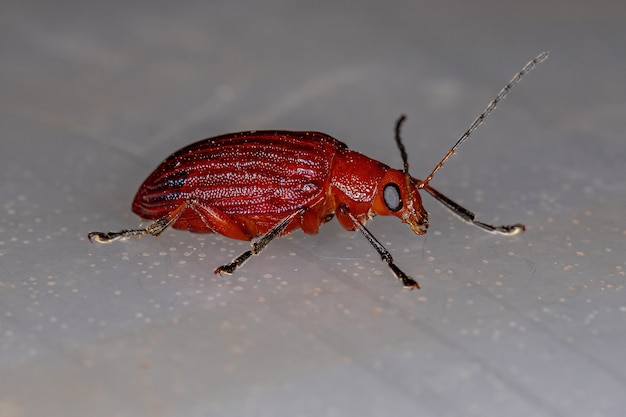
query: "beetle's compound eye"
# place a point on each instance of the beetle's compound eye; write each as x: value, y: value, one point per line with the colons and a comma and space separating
x: 391, y: 195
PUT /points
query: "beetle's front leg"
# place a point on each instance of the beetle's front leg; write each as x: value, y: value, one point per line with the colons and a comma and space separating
x: 469, y: 217
x: 407, y: 281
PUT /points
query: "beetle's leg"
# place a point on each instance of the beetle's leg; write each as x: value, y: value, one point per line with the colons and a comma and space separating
x: 469, y: 217
x: 218, y: 221
x: 155, y: 228
x: 407, y: 281
x: 259, y: 244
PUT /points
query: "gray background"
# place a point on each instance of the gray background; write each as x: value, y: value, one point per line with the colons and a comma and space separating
x: 95, y: 94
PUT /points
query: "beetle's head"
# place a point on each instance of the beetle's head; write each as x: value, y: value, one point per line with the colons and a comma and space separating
x: 397, y: 193
x: 397, y: 196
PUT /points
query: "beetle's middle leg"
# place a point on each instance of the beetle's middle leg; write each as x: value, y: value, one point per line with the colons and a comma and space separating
x: 259, y: 244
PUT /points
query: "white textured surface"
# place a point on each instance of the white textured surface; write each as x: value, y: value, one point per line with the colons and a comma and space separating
x: 93, y: 96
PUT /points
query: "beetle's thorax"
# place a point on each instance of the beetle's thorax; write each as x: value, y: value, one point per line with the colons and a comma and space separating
x: 354, y: 177
x: 368, y: 188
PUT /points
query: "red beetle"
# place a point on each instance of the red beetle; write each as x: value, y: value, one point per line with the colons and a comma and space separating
x: 258, y: 185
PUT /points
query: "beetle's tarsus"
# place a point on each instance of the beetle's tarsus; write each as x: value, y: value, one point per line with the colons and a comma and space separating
x: 410, y: 284
x: 224, y: 269
x: 100, y: 237
x: 236, y: 263
x: 108, y: 237
x: 407, y: 281
x: 512, y: 229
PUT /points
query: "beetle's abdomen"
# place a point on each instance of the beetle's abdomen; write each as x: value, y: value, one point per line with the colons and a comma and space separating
x: 260, y: 175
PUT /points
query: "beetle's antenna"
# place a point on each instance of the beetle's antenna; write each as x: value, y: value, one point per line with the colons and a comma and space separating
x: 405, y: 157
x: 490, y: 107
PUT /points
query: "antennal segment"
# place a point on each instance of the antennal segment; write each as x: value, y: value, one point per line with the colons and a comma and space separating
x: 405, y: 157
x: 490, y: 107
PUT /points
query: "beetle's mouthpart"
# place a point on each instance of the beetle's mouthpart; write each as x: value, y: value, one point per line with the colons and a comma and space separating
x: 419, y: 229
x: 417, y: 223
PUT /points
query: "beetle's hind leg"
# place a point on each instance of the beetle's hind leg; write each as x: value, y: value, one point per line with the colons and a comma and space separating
x: 155, y: 228
x: 259, y: 244
x: 469, y: 217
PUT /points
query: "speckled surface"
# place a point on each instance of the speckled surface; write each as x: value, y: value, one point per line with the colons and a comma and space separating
x: 94, y: 96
